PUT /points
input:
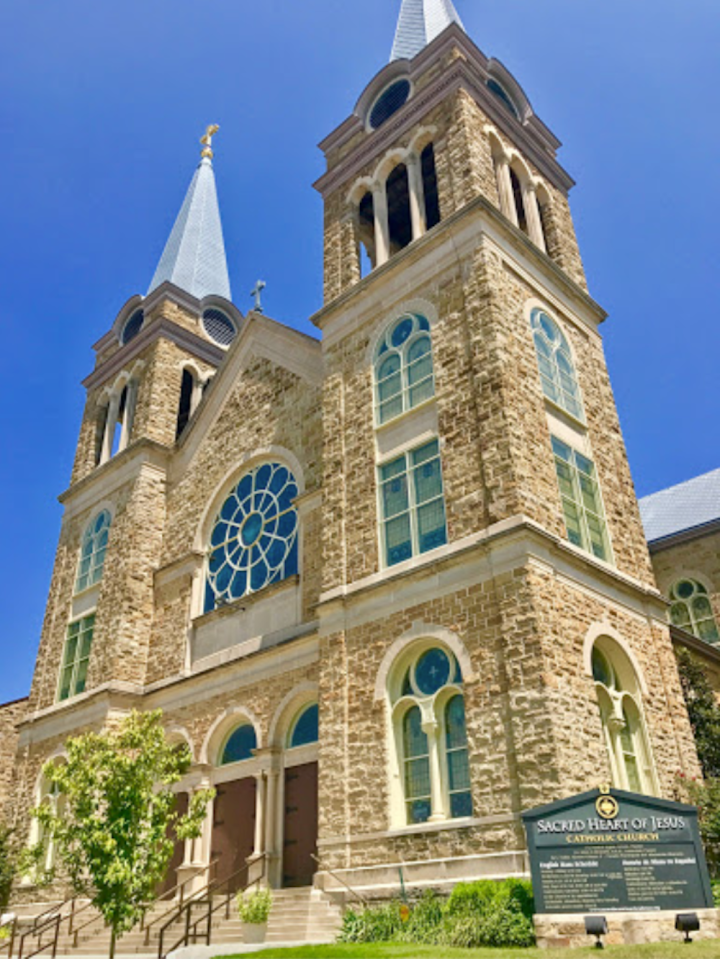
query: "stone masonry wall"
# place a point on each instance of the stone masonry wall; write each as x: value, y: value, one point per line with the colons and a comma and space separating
x: 10, y: 715
x: 699, y: 556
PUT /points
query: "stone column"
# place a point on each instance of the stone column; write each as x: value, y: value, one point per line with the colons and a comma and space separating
x: 417, y: 196
x: 260, y: 782
x: 382, y: 226
x: 432, y: 731
x: 197, y: 394
x: 113, y: 410
x: 532, y: 215
x: 505, y: 190
x: 197, y: 862
x: 128, y: 414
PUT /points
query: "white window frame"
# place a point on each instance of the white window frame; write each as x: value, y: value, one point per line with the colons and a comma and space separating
x: 586, y: 545
x: 77, y: 660
x: 405, y: 386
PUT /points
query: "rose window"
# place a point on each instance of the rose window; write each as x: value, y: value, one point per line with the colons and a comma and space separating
x: 254, y: 537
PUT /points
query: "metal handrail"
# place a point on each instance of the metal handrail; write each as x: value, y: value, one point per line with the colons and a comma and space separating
x: 9, y: 943
x: 53, y: 921
x: 206, y: 899
x: 175, y: 906
x: 330, y: 872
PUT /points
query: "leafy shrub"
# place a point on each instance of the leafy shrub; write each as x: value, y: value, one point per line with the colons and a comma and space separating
x: 4, y: 932
x: 716, y: 892
x: 254, y: 907
x: 484, y: 913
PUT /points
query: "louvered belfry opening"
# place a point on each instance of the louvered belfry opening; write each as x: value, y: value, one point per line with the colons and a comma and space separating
x: 398, y: 201
x: 366, y: 232
x: 519, y: 202
x: 185, y: 406
x: 430, y: 186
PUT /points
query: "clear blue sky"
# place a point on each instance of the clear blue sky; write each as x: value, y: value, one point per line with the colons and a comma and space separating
x: 101, y: 107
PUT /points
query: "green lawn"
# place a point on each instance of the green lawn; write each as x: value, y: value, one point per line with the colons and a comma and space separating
x: 709, y: 949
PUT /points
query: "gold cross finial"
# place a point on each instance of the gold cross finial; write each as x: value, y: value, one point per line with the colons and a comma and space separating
x: 207, y: 140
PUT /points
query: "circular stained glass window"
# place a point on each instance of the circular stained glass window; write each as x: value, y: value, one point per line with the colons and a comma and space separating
x: 132, y: 327
x: 254, y: 539
x: 219, y: 327
x: 432, y: 671
x: 389, y: 102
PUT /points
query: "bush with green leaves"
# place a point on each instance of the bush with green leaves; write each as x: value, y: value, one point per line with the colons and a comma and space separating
x: 254, y: 907
x: 4, y: 932
x: 8, y: 863
x: 485, y: 913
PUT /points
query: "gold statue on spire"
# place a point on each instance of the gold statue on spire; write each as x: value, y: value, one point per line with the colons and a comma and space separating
x: 207, y: 140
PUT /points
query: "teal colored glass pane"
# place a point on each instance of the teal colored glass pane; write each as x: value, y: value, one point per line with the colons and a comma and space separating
x: 394, y: 496
x: 306, y: 728
x: 685, y: 589
x: 425, y: 452
x: 71, y: 647
x: 461, y: 805
x: 458, y: 770
x: 428, y: 481
x: 418, y: 349
x: 390, y: 408
x: 680, y: 615
x: 432, y: 531
x: 420, y: 370
x: 398, y: 543
x: 584, y: 464
x: 414, y: 739
x: 602, y: 672
x: 81, y: 678
x: 251, y: 529
x: 707, y: 630
x: 239, y: 745
x: 565, y: 479
x: 561, y: 449
x: 417, y: 778
x: 432, y: 671
x: 455, y: 733
x: 418, y: 811
x: 572, y: 523
x: 548, y: 327
x: 390, y: 387
x: 395, y: 468
x: 423, y: 391
x: 422, y: 323
x: 401, y: 332
x: 65, y: 681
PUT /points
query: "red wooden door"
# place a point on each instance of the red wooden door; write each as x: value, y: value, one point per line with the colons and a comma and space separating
x: 301, y: 825
x: 233, y: 835
x: 178, y: 857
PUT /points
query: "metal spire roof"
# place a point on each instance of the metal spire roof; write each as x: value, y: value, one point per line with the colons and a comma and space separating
x: 194, y: 255
x: 420, y: 22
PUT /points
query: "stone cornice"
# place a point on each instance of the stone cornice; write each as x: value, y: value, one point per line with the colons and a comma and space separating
x: 469, y: 73
x: 115, y: 473
x: 196, y: 345
x: 426, y: 252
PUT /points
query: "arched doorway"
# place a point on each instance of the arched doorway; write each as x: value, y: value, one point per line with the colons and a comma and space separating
x: 300, y: 815
x: 234, y: 808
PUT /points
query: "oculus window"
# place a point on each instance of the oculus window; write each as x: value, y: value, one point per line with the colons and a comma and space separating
x: 132, y: 327
x: 254, y: 541
x: 691, y: 610
x: 389, y: 102
x: 218, y: 326
x: 73, y: 675
x: 412, y: 504
x: 403, y: 367
x: 239, y: 745
x: 92, y: 552
x: 582, y: 505
x: 430, y: 738
x: 503, y: 96
x: 557, y: 370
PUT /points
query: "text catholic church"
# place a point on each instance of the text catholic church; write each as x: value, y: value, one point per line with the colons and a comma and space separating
x: 390, y: 584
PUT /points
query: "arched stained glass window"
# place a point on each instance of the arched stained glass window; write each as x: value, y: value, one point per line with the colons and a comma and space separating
x: 305, y: 729
x: 691, y: 610
x: 403, y: 367
x: 619, y: 699
x: 239, y: 745
x: 92, y: 552
x: 427, y: 694
x: 254, y: 538
x: 557, y: 370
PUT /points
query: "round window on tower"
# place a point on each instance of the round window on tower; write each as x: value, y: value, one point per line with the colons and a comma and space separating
x: 132, y: 327
x: 503, y: 96
x: 389, y: 102
x: 219, y: 327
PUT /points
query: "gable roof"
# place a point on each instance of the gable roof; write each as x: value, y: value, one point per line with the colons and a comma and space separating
x: 678, y: 509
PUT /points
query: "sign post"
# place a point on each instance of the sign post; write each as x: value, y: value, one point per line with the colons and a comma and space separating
x: 613, y: 851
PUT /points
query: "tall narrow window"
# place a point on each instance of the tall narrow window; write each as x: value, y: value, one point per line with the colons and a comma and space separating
x: 187, y: 388
x: 430, y: 186
x: 691, y: 610
x: 403, y: 367
x: 73, y: 675
x: 519, y: 201
x: 398, y: 203
x: 119, y: 434
x: 619, y: 699
x: 92, y: 551
x: 431, y: 740
x: 412, y: 504
x: 582, y: 505
x: 254, y: 538
x: 557, y: 370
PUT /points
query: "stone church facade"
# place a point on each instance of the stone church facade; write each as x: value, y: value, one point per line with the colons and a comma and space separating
x: 389, y: 584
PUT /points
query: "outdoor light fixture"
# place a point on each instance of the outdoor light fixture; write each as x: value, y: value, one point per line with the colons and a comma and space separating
x: 687, y: 922
x: 597, y: 926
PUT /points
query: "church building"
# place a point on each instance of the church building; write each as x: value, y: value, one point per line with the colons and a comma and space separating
x: 389, y: 583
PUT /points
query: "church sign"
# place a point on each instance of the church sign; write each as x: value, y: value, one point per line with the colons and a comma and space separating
x: 614, y: 851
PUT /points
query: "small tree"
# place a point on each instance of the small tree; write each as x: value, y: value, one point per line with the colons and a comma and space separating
x: 112, y: 829
x: 704, y: 712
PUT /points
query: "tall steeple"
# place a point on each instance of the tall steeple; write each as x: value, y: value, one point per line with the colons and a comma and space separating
x: 194, y: 255
x: 420, y: 22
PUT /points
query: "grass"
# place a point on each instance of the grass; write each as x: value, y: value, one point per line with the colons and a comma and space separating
x: 702, y: 949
